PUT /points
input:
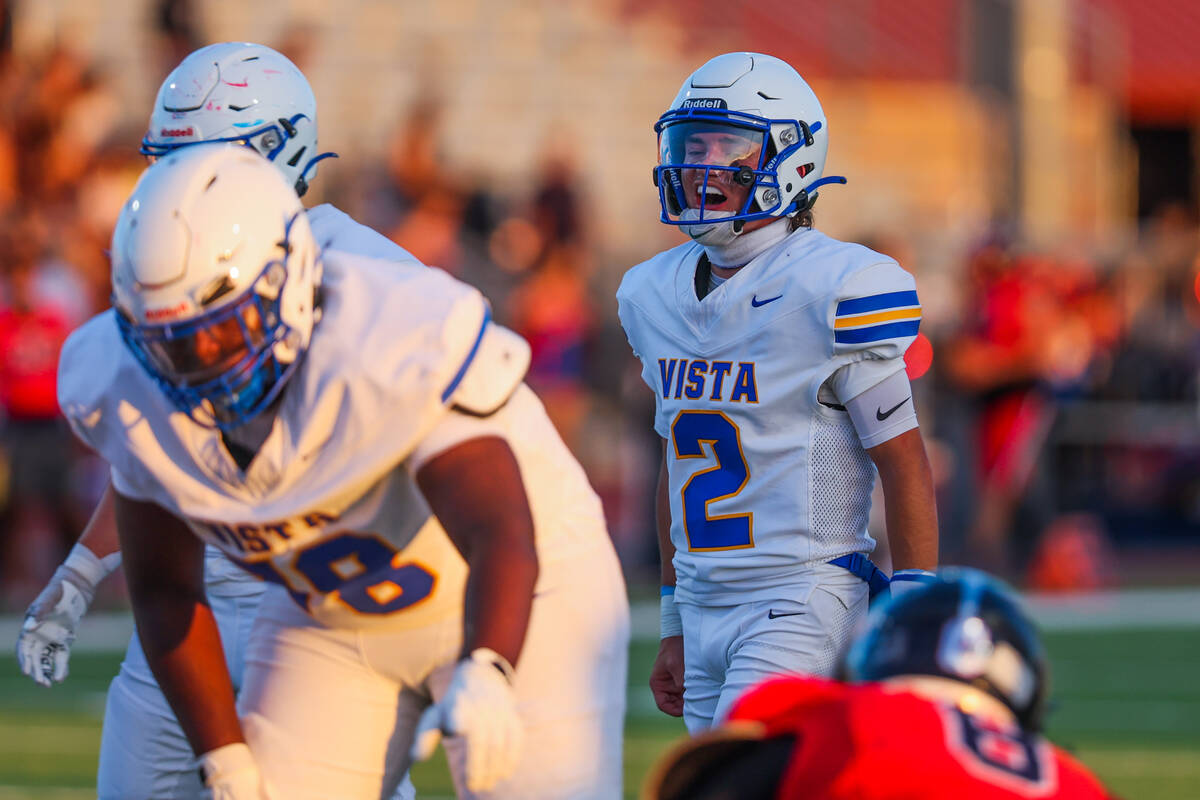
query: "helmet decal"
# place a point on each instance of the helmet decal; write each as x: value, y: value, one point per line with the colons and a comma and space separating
x: 243, y: 93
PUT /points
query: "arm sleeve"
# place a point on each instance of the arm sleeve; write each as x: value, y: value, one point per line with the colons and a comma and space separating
x: 883, y: 411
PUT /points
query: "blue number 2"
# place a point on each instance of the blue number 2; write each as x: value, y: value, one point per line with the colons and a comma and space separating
x: 690, y: 431
x: 359, y: 569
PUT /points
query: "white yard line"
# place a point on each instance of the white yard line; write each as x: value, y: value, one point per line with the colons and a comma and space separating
x: 1125, y: 608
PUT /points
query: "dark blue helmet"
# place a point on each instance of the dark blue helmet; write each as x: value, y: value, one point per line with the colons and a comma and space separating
x: 965, y: 626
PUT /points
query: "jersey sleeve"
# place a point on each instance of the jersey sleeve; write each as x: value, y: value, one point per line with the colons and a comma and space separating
x: 497, y: 368
x: 873, y: 317
x: 419, y: 340
x: 106, y: 396
x: 334, y: 229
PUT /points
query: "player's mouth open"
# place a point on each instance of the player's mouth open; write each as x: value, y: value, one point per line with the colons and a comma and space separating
x: 710, y: 196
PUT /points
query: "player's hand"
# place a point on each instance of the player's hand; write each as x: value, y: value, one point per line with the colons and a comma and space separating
x: 50, y: 622
x: 666, y: 677
x: 480, y: 706
x: 232, y: 774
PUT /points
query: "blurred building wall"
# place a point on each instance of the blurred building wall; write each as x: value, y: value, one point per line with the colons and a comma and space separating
x: 587, y: 79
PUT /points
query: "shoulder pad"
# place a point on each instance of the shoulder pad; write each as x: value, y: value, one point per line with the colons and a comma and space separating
x: 495, y: 370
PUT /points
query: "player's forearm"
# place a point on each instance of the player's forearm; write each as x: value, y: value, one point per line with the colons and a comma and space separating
x: 910, y: 507
x: 499, y: 597
x: 476, y: 492
x: 182, y: 644
x: 164, y: 569
x: 100, y: 533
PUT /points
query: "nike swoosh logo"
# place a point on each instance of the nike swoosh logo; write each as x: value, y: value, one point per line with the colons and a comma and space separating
x: 754, y: 301
x: 773, y: 615
x: 881, y: 415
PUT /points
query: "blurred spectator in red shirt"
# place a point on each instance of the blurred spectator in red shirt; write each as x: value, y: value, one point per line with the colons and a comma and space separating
x: 1034, y: 327
x: 33, y: 437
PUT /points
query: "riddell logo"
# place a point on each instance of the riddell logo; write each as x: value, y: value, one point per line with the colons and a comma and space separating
x: 156, y: 314
x: 704, y: 102
x: 177, y: 132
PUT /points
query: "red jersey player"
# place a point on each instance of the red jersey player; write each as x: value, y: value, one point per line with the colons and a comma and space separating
x: 945, y: 702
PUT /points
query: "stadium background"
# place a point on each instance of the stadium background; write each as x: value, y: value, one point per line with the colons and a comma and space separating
x: 1033, y: 162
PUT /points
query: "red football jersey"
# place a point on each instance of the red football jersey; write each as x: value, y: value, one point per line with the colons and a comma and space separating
x: 875, y: 742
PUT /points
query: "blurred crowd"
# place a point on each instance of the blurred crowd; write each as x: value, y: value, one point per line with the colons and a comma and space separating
x: 1059, y: 390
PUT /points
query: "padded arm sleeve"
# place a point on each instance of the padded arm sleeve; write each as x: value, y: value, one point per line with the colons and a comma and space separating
x: 883, y: 411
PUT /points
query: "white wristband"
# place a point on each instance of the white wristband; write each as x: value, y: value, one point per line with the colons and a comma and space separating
x: 226, y: 760
x: 92, y: 569
x: 669, y: 621
x: 486, y: 655
x: 906, y: 580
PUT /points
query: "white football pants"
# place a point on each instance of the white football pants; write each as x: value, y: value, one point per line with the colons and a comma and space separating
x: 143, y: 752
x: 728, y: 649
x: 332, y: 712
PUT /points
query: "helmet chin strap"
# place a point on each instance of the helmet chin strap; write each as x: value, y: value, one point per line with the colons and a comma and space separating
x: 729, y: 247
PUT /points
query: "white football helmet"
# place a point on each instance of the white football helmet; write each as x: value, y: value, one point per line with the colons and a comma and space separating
x: 239, y: 92
x: 215, y: 276
x: 741, y: 120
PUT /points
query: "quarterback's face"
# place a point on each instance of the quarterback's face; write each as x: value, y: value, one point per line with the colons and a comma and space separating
x: 718, y: 190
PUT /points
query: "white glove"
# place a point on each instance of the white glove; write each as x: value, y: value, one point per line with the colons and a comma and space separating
x: 49, y: 628
x: 480, y: 706
x: 232, y: 774
x: 905, y: 580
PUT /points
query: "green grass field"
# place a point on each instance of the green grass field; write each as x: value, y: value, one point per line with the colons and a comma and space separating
x: 1126, y: 702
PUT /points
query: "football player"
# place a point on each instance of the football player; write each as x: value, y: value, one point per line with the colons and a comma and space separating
x: 356, y: 433
x: 956, y: 660
x: 775, y: 355
x: 252, y: 95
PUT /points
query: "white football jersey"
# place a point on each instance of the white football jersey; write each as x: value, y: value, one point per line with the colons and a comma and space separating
x: 332, y: 229
x: 327, y: 508
x: 765, y: 480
